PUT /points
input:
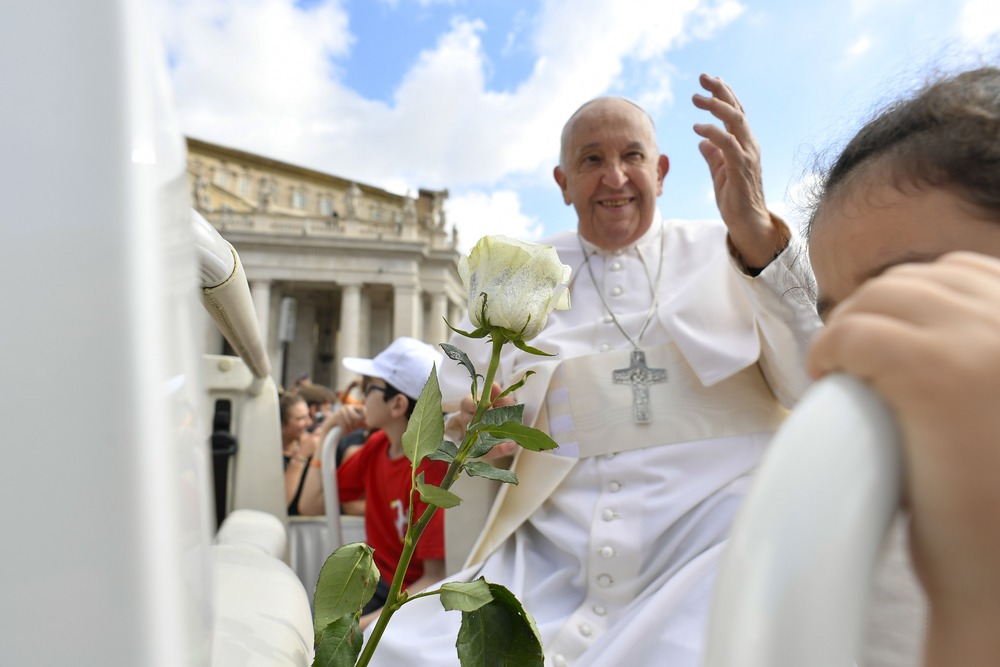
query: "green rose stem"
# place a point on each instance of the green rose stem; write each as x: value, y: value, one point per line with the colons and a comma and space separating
x: 415, y: 530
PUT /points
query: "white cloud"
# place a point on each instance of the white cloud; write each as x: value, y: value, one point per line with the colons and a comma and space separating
x: 864, y: 8
x: 797, y: 202
x: 252, y: 74
x: 261, y: 75
x: 479, y: 213
x: 979, y: 21
x: 658, y: 91
x: 859, y: 47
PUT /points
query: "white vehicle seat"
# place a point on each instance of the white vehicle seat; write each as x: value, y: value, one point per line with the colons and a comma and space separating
x: 263, y: 616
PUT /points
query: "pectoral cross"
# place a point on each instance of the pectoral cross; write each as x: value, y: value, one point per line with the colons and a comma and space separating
x: 640, y: 376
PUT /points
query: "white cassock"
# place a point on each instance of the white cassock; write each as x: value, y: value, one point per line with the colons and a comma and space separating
x: 614, y: 554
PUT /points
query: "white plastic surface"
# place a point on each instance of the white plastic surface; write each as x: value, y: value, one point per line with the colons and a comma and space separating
x: 257, y: 481
x: 794, y: 581
x: 216, y: 261
x: 263, y: 617
x: 256, y: 529
x: 104, y: 481
x: 231, y: 306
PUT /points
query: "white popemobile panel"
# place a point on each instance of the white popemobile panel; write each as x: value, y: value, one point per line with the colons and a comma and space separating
x: 105, y: 483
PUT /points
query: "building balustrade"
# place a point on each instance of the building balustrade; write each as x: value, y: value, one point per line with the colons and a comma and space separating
x: 327, y: 227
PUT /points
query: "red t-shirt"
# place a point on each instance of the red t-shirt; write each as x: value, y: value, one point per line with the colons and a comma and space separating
x: 384, y: 483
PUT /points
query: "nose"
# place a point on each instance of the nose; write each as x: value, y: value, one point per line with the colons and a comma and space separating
x: 614, y: 174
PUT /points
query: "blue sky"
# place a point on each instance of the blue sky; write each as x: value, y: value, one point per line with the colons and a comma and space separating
x: 471, y: 95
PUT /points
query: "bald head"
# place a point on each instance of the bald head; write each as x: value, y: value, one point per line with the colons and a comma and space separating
x: 600, y: 104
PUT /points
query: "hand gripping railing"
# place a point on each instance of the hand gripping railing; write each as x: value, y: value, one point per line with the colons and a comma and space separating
x: 793, y: 584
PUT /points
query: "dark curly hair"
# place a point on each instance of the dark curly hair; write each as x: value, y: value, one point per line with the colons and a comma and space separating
x: 947, y: 135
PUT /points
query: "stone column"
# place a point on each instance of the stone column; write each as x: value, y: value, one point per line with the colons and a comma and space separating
x: 405, y: 311
x: 302, y: 350
x: 437, y: 330
x: 350, y: 330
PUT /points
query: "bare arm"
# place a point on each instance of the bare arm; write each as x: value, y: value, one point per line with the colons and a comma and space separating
x: 347, y: 417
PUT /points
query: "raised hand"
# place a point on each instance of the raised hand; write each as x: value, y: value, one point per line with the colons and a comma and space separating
x: 733, y: 158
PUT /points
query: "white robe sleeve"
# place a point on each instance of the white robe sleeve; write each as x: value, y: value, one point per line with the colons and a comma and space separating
x: 783, y: 302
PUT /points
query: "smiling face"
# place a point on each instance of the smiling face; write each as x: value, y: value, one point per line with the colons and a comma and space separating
x: 296, y: 421
x: 870, y: 225
x: 611, y: 171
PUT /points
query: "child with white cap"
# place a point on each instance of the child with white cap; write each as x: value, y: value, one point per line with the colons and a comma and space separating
x: 380, y: 473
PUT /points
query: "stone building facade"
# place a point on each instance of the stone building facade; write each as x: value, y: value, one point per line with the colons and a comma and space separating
x: 336, y: 268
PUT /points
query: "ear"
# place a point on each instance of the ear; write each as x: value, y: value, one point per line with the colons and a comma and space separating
x: 662, y: 167
x: 560, y: 177
x: 398, y: 405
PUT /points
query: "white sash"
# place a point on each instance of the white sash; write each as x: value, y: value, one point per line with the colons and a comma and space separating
x: 588, y: 415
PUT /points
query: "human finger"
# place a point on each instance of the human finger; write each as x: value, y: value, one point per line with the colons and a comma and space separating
x: 725, y: 106
x: 495, y: 391
x: 720, y: 90
x: 939, y: 295
x: 499, y: 451
x: 862, y: 344
x: 717, y: 136
x: 733, y: 117
x: 963, y: 272
x: 921, y: 345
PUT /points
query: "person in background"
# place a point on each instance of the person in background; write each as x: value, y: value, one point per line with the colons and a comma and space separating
x: 381, y: 474
x: 320, y: 400
x: 303, y: 380
x: 301, y: 450
x: 905, y: 245
x: 351, y: 442
x: 297, y: 446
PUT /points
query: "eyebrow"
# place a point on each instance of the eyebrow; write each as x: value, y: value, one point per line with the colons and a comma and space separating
x: 824, y: 304
x: 596, y: 144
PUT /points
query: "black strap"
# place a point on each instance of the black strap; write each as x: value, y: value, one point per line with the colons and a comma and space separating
x: 293, y: 507
x: 224, y: 447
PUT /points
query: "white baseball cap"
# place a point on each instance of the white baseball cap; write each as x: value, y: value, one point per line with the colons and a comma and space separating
x: 405, y: 364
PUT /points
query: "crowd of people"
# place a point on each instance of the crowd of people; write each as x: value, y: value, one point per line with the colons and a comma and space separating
x: 612, y: 541
x: 372, y: 475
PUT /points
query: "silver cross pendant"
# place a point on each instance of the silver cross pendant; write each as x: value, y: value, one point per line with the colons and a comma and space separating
x: 640, y: 377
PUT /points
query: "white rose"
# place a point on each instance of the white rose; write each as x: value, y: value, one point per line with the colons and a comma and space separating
x: 522, y: 284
